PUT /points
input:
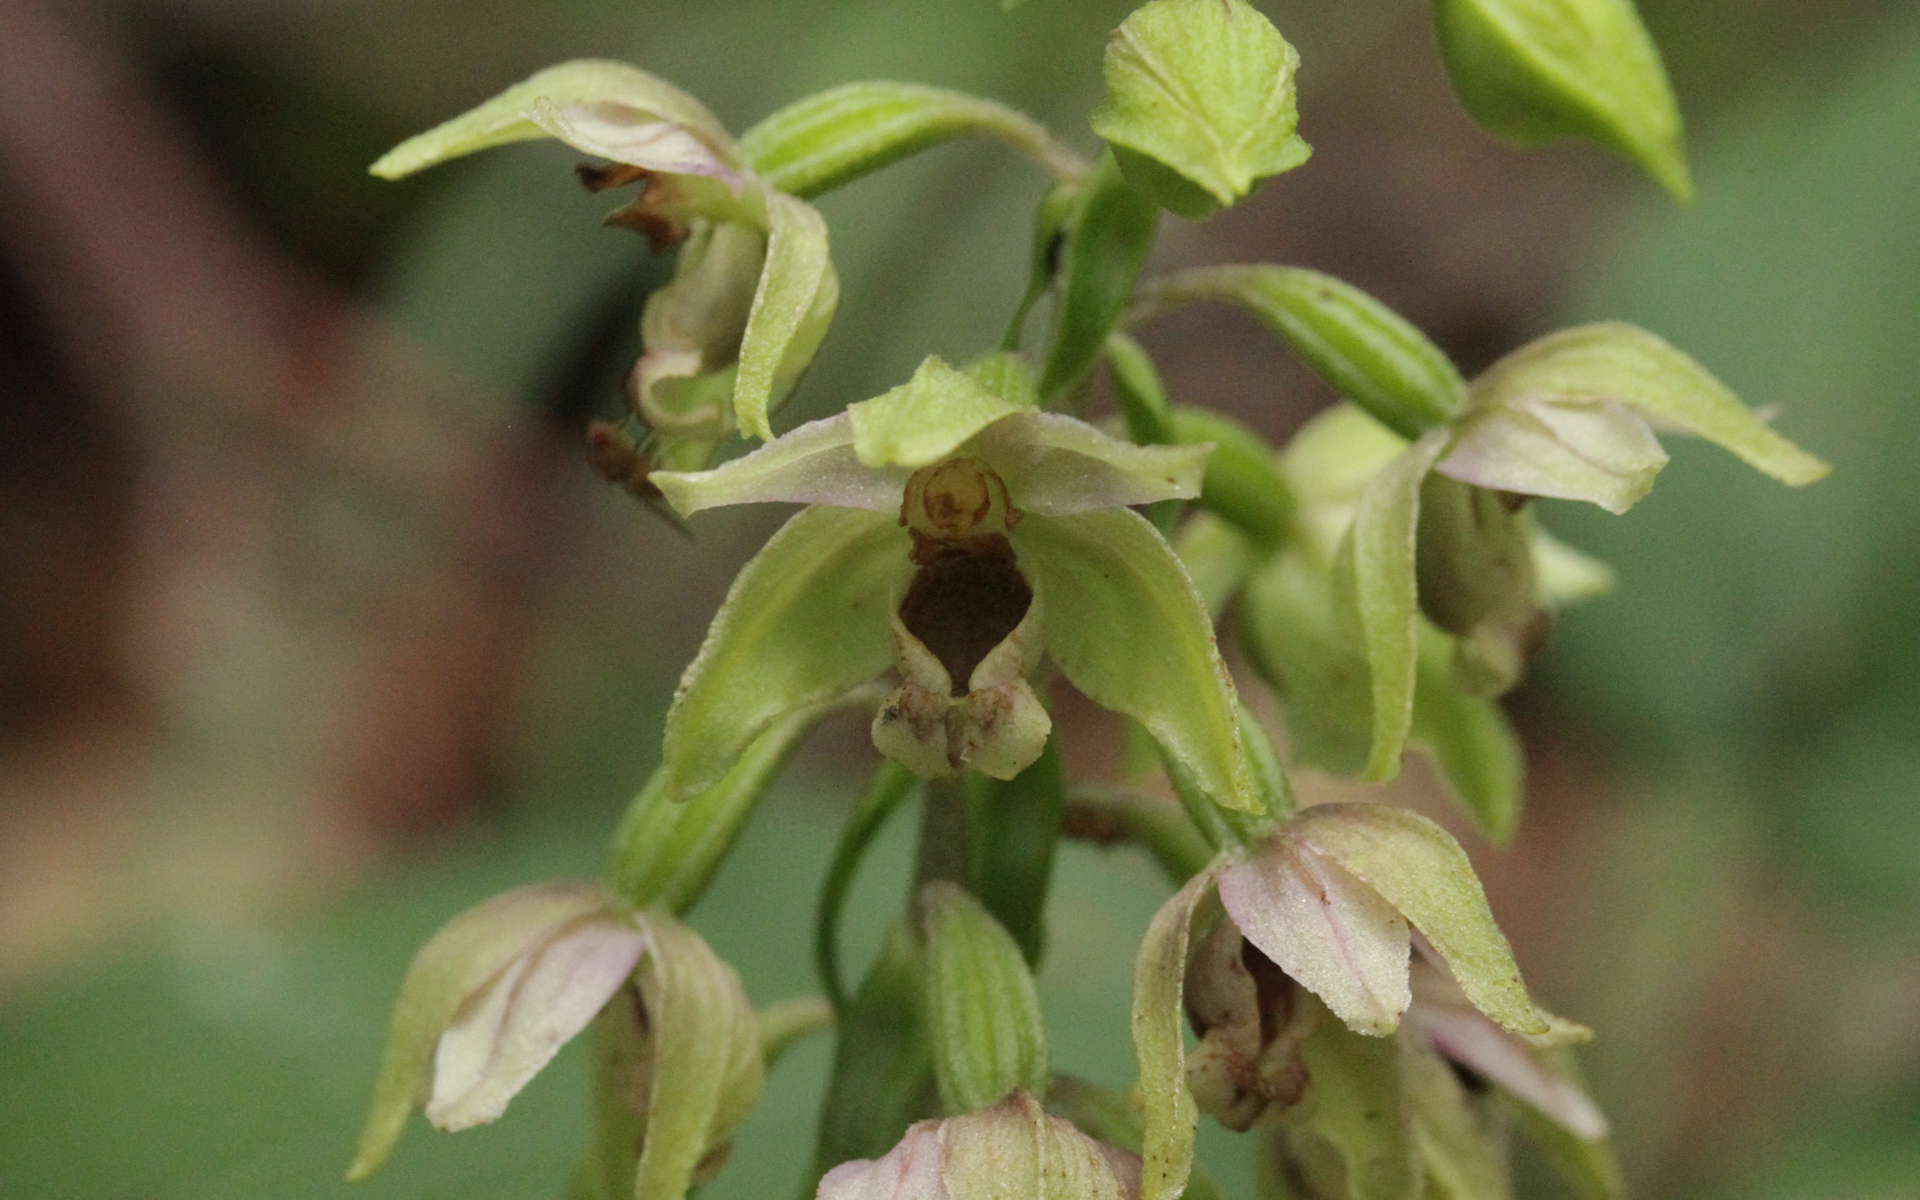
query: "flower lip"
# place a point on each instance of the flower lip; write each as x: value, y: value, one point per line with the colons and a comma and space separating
x: 961, y: 605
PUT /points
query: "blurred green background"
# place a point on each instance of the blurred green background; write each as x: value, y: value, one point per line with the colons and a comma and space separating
x: 315, y: 629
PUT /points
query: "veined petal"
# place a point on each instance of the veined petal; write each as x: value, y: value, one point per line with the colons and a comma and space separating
x: 1130, y: 631
x: 1599, y: 451
x: 1159, y: 1041
x: 1420, y: 870
x: 1385, y: 591
x: 505, y: 1034
x: 1016, y: 1149
x: 805, y: 620
x: 508, y: 117
x: 926, y: 418
x: 454, y: 963
x: 813, y: 464
x: 1328, y: 930
x: 634, y: 136
x: 1055, y: 465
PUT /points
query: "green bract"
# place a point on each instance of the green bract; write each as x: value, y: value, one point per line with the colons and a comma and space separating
x: 754, y: 290
x: 1098, y: 591
x: 1535, y: 70
x: 1200, y: 103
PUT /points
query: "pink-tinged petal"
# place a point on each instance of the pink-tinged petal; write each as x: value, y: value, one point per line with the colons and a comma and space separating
x: 909, y: 1171
x: 636, y: 137
x: 1596, y: 450
x: 1329, y: 931
x: 813, y: 464
x: 507, y: 1032
x: 1055, y: 464
x: 1473, y: 1041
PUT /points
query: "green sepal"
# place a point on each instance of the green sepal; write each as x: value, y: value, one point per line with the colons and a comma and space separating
x: 1106, y: 1115
x: 1218, y: 558
x: 512, y: 116
x: 1107, y: 237
x: 792, y: 308
x: 1531, y: 71
x: 804, y: 622
x: 1128, y: 629
x: 1048, y: 244
x: 1013, y: 828
x: 1461, y: 1141
x: 1007, y: 375
x: 1199, y: 103
x: 832, y: 138
x: 1357, y: 1109
x: 891, y: 785
x: 1422, y: 872
x: 1138, y: 390
x: 1243, y: 482
x: 1615, y: 361
x: 665, y: 853
x: 1372, y: 355
x: 882, y: 1077
x: 926, y: 418
x: 1310, y: 652
x: 1472, y: 742
x: 1379, y: 554
x: 983, y: 1015
x: 1159, y: 1040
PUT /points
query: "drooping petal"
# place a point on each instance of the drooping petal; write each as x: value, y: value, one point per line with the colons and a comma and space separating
x: 1159, y: 1041
x: 1421, y: 871
x: 505, y: 1034
x: 635, y: 136
x: 1473, y: 1041
x: 1619, y: 362
x: 1054, y: 465
x: 1599, y: 451
x: 926, y: 418
x: 1129, y: 630
x: 509, y: 116
x: 453, y: 965
x: 1383, y: 563
x: 805, y: 620
x: 813, y: 464
x: 792, y: 308
x: 1328, y: 930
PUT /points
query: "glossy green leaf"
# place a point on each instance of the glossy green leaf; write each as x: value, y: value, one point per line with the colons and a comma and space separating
x: 882, y: 1077
x: 926, y: 418
x: 834, y: 137
x: 514, y: 114
x: 891, y: 785
x: 454, y: 963
x: 1358, y: 1109
x: 791, y: 311
x: 983, y: 1014
x: 1200, y: 102
x: 1472, y: 742
x: 1382, y: 563
x: 1371, y: 354
x: 805, y: 621
x: 1421, y: 870
x: 1626, y: 364
x: 1243, y: 481
x: 1159, y: 1042
x: 1137, y: 389
x: 704, y: 1066
x: 1531, y: 71
x: 1106, y: 240
x: 1013, y: 829
x: 1127, y: 627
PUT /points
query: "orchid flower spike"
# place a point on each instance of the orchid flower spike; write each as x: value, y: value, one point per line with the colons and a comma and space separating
x: 960, y: 535
x: 491, y: 997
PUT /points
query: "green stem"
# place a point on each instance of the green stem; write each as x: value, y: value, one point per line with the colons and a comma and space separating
x: 1166, y: 832
x: 891, y: 784
x: 786, y: 1023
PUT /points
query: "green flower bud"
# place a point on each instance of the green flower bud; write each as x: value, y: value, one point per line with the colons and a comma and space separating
x: 983, y: 1015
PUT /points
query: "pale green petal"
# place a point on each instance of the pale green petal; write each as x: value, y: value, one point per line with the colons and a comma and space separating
x: 792, y: 308
x: 813, y: 464
x: 508, y: 117
x: 1054, y: 465
x: 833, y: 137
x: 1615, y: 361
x: 1383, y: 564
x: 1598, y: 451
x: 926, y: 418
x: 1127, y: 627
x: 983, y: 1014
x: 636, y: 137
x: 1159, y: 1041
x: 1422, y: 871
x: 705, y: 1063
x: 1202, y: 90
x: 805, y: 621
x: 453, y: 965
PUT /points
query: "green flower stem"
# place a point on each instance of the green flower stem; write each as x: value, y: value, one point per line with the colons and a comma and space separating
x: 1110, y: 815
x: 1013, y: 827
x: 1223, y: 828
x: 891, y: 784
x: 942, y: 851
x: 784, y: 1024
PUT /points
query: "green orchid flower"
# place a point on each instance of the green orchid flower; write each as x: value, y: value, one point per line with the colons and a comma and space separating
x: 957, y: 533
x: 753, y: 290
